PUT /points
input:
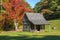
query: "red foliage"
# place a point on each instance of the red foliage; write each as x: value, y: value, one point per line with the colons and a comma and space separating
x: 16, y: 8
x: 7, y: 6
x: 24, y: 4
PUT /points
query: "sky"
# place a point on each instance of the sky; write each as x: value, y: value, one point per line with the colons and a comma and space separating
x: 32, y: 2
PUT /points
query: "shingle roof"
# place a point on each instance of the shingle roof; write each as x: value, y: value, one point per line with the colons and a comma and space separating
x: 36, y: 18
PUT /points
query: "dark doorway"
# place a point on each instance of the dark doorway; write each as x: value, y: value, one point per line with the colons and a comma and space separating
x: 38, y: 27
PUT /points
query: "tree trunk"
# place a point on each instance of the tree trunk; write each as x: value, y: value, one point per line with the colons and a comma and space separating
x: 16, y: 25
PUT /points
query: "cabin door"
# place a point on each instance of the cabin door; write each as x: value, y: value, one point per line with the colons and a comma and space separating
x: 38, y: 27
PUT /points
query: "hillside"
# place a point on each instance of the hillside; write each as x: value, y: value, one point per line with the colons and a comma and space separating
x: 54, y: 23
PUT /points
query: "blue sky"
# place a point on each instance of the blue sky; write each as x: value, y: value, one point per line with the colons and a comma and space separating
x: 32, y: 2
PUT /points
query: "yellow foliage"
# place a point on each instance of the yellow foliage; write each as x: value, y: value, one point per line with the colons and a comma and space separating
x: 58, y: 7
x: 46, y: 11
x: 1, y: 17
x: 5, y: 1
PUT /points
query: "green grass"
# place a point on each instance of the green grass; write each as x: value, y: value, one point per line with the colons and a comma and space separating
x: 47, y: 35
x: 30, y: 36
x: 54, y: 23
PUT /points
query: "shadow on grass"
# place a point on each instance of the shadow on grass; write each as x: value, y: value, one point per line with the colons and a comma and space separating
x: 31, y: 38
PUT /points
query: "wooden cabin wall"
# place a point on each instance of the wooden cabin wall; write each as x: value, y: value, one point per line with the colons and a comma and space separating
x: 26, y: 24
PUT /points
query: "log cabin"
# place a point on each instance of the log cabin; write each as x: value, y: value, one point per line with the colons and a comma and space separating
x: 34, y: 22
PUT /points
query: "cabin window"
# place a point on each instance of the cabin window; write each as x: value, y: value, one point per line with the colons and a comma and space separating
x: 32, y: 27
x: 26, y: 25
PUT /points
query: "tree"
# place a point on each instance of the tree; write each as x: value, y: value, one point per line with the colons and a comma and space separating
x: 37, y: 7
x: 48, y: 8
x: 15, y: 10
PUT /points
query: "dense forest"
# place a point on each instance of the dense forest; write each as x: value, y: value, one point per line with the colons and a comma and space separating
x: 12, y: 12
x: 49, y: 8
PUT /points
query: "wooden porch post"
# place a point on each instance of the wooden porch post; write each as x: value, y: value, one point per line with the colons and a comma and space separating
x: 34, y: 27
x: 29, y: 28
x: 43, y: 28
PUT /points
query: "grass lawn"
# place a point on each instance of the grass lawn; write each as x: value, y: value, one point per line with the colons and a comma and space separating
x: 30, y: 36
x: 47, y: 35
x: 53, y: 23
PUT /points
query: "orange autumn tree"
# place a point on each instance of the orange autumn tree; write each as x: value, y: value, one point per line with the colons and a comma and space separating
x: 15, y: 9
